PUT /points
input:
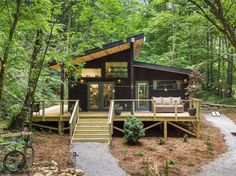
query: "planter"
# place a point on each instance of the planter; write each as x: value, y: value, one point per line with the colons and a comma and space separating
x: 117, y: 111
x: 192, y: 111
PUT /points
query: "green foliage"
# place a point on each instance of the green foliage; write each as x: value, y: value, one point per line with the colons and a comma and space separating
x: 166, y: 168
x: 133, y: 130
x: 209, y: 142
x: 161, y: 141
x: 185, y: 138
x: 139, y: 153
x: 210, y: 97
x: 172, y: 162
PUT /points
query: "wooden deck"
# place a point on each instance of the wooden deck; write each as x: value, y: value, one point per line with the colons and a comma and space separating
x: 89, y: 121
x: 53, y: 114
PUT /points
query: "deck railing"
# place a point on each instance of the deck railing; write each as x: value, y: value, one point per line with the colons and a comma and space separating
x: 74, y: 118
x: 65, y: 106
x: 133, y: 106
x: 110, y: 120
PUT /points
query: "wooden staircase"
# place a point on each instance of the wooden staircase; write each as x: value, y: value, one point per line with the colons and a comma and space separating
x: 91, y: 129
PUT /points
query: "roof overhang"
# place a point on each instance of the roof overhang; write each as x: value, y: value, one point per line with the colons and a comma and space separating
x: 106, y: 50
x: 163, y: 68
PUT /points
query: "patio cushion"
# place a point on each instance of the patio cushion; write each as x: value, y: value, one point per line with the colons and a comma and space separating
x: 177, y: 100
x: 166, y: 100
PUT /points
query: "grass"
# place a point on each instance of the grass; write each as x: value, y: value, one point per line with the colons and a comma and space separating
x: 210, y: 97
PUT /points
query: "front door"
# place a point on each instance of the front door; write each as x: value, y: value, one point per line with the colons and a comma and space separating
x: 142, y: 94
x: 99, y: 95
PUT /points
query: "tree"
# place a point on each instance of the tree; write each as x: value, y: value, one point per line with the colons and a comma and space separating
x: 221, y: 14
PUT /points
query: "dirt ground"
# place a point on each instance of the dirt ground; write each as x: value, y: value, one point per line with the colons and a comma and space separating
x: 184, y: 158
x: 52, y: 147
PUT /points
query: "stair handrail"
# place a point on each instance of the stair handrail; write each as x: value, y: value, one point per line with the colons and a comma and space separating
x: 74, y: 118
x: 110, y: 120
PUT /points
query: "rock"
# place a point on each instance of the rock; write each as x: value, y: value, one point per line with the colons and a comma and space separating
x: 38, y: 174
x: 49, y: 174
x: 79, y: 172
x: 62, y: 174
x: 54, y: 163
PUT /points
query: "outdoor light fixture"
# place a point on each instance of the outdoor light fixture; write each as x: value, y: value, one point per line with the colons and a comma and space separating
x: 165, y: 89
x: 185, y: 80
x: 81, y: 81
x: 119, y: 81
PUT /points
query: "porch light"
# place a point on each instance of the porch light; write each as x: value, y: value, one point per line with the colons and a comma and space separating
x: 165, y: 89
x: 113, y: 90
x: 119, y: 81
x: 185, y: 80
x: 81, y: 81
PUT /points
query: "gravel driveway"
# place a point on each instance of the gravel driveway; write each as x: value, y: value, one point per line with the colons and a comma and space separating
x: 96, y: 160
x: 225, y: 165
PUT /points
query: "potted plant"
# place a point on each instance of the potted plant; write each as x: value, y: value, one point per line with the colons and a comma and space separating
x: 118, y: 109
x: 192, y: 111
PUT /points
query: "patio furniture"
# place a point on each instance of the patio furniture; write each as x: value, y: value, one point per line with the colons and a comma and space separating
x: 167, y: 105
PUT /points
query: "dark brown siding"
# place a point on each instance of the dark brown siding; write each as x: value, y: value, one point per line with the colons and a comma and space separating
x: 80, y: 92
x: 145, y: 74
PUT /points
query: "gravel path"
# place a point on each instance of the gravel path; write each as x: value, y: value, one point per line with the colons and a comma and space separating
x: 225, y: 165
x: 96, y: 160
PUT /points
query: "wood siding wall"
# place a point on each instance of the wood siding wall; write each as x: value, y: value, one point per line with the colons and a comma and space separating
x: 122, y: 91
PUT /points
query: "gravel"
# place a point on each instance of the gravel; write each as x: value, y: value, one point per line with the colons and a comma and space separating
x: 225, y: 165
x: 96, y: 160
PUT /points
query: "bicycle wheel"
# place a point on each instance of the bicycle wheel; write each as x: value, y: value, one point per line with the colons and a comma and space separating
x: 29, y: 154
x: 14, y: 161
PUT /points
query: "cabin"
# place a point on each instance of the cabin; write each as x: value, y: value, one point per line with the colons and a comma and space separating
x: 112, y: 76
x: 112, y: 73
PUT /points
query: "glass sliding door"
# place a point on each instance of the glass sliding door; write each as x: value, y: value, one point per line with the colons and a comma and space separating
x: 93, y: 96
x: 99, y: 95
x: 142, y: 93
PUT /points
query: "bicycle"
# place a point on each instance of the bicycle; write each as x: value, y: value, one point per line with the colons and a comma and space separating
x: 16, y: 160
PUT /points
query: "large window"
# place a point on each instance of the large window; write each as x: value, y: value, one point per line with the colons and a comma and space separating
x: 91, y: 73
x: 116, y: 69
x: 167, y: 84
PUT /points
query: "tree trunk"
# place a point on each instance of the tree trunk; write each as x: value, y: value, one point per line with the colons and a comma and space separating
x: 7, y: 45
x: 29, y: 98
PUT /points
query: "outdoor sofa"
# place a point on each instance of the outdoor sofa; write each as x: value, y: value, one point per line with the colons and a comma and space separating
x: 167, y: 104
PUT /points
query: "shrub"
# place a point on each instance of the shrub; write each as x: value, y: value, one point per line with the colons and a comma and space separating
x: 133, y: 130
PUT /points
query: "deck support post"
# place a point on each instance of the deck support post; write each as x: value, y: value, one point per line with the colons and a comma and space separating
x: 165, y: 129
x: 198, y: 130
x: 60, y: 127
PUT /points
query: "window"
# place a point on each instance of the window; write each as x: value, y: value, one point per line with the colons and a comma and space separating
x: 116, y: 69
x: 91, y: 73
x: 167, y: 84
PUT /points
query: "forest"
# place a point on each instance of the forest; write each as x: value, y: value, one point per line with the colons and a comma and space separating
x: 194, y: 34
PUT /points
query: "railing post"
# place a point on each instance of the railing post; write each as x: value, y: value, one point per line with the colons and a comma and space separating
x: 133, y: 107
x: 175, y: 110
x: 43, y: 110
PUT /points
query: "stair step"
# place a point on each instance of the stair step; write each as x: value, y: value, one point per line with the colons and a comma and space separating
x: 92, y: 127
x: 93, y: 120
x: 92, y: 124
x: 92, y: 131
x: 104, y: 140
x: 91, y: 136
x: 93, y: 117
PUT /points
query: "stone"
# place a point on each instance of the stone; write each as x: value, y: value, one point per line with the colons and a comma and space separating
x: 54, y: 163
x: 79, y: 172
x: 49, y: 174
x: 38, y: 174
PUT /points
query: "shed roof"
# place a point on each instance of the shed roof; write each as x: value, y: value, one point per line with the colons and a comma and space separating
x: 162, y: 68
x: 106, y: 50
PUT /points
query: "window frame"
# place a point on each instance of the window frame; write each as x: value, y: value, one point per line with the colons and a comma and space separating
x: 155, y: 86
x: 121, y: 67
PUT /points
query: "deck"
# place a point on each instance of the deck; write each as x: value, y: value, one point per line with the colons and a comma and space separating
x: 59, y: 113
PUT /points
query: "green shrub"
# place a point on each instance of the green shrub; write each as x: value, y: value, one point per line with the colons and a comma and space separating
x: 162, y: 141
x: 133, y: 130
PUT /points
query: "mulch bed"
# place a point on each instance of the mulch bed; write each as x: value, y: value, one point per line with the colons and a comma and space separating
x: 185, y: 158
